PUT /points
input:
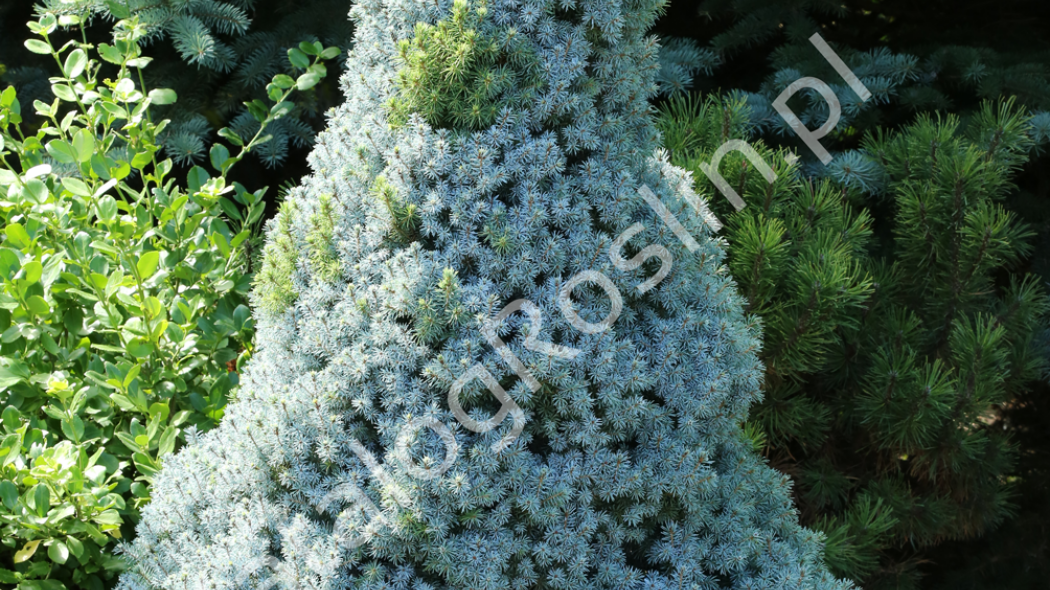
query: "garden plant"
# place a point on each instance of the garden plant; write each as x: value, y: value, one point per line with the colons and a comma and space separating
x: 123, y: 306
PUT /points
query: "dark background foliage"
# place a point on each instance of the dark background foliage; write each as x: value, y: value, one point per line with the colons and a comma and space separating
x: 1017, y: 30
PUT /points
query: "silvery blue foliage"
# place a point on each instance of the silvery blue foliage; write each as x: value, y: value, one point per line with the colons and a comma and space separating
x: 681, y: 60
x: 1040, y: 123
x: 854, y: 169
x: 882, y: 72
x: 631, y: 472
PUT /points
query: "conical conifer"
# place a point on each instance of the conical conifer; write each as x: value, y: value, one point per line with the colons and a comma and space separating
x: 488, y: 154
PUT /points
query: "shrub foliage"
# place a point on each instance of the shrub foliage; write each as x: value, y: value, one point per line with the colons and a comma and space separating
x: 123, y: 305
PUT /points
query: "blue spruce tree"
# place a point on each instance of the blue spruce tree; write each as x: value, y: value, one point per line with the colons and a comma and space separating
x: 397, y: 429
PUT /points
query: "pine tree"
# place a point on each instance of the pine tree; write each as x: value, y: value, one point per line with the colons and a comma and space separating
x: 487, y: 153
x: 887, y: 365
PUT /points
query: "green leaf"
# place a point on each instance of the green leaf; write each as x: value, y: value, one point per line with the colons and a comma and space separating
x: 258, y: 110
x: 42, y: 585
x: 154, y: 307
x: 167, y: 441
x: 229, y: 208
x: 295, y: 56
x: 38, y: 46
x: 134, y: 372
x: 58, y: 552
x: 141, y: 160
x: 76, y: 186
x: 123, y: 402
x: 231, y: 136
x: 159, y: 411
x: 76, y: 547
x: 307, y: 81
x: 145, y: 463
x: 115, y: 110
x: 100, y: 166
x: 107, y: 248
x: 27, y: 551
x: 330, y: 52
x: 41, y: 499
x: 139, y: 490
x: 107, y: 208
x: 139, y: 62
x: 75, y: 63
x: 62, y: 151
x: 18, y: 236
x: 162, y: 96
x: 196, y: 178
x: 218, y: 156
x: 73, y: 428
x: 240, y: 238
x: 84, y: 145
x: 36, y: 189
x: 283, y: 81
x: 11, y: 448
x: 110, y: 54
x: 121, y: 171
x: 164, y: 168
x: 220, y: 242
x: 309, y: 48
x: 12, y: 418
x: 14, y: 372
x: 8, y: 97
x: 38, y: 305
x: 9, y: 494
x: 281, y: 109
x: 148, y: 263
x: 125, y: 90
x: 64, y: 92
x: 109, y: 516
x: 33, y: 270
x: 140, y: 348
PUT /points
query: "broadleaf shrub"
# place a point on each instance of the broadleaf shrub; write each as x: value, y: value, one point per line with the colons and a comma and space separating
x: 123, y: 306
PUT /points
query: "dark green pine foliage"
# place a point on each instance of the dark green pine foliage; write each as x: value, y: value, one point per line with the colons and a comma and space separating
x: 218, y: 55
x: 1017, y: 554
x: 891, y: 348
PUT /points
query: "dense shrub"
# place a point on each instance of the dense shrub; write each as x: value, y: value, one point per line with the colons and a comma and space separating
x: 887, y: 364
x: 123, y: 306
